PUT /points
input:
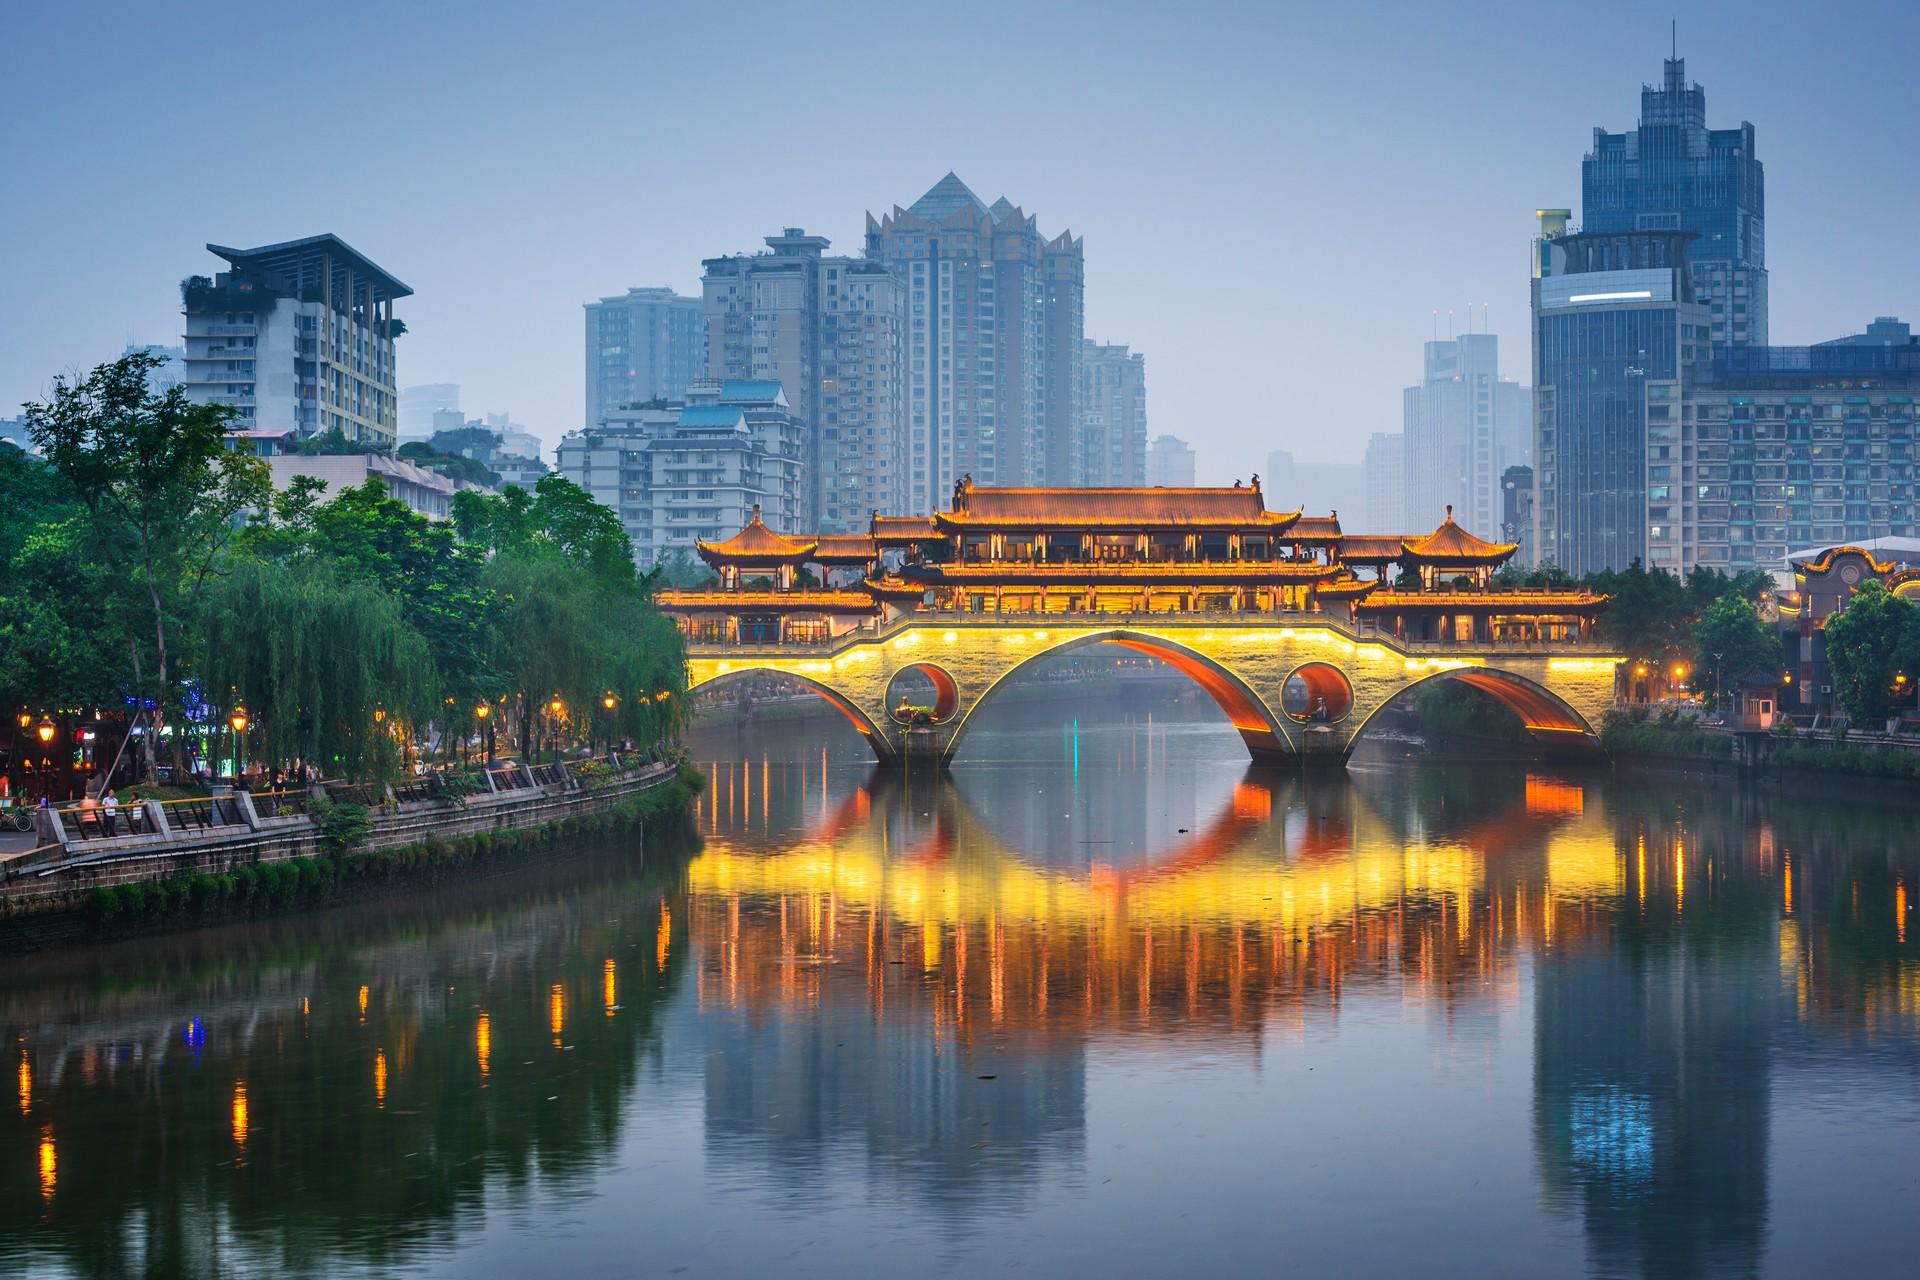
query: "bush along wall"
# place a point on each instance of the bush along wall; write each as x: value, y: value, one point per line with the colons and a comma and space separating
x: 346, y: 871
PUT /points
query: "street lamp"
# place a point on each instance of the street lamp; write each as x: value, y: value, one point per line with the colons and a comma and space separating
x: 609, y: 702
x: 45, y: 730
x: 238, y: 720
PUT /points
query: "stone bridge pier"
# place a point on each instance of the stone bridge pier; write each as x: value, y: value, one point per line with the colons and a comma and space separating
x: 1298, y: 694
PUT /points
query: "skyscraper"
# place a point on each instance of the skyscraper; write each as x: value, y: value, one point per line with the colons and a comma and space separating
x: 1616, y: 332
x: 297, y: 335
x: 830, y: 331
x: 1673, y: 173
x: 645, y: 344
x: 1170, y: 463
x: 1339, y: 487
x: 1385, y: 467
x: 995, y: 325
x: 1113, y: 415
x: 1463, y: 427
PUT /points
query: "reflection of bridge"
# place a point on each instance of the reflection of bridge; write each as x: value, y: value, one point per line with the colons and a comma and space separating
x: 1265, y: 610
x: 1295, y: 692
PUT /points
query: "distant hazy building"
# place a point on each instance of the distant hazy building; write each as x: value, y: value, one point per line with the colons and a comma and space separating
x: 694, y: 469
x: 1462, y: 428
x: 298, y: 334
x: 994, y: 332
x: 172, y: 371
x: 1319, y: 487
x: 642, y: 345
x: 418, y: 404
x: 1113, y: 415
x: 1385, y: 466
x: 427, y: 492
x: 830, y: 330
x: 1673, y: 173
x: 1616, y: 330
x: 14, y: 432
x: 1170, y: 463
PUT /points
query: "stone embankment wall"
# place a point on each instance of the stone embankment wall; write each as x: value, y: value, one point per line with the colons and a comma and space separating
x: 59, y: 877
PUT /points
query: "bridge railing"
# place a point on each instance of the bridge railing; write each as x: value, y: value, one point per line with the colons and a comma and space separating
x: 1269, y: 618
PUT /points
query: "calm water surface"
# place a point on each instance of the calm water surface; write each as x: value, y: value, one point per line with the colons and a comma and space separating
x: 1107, y: 998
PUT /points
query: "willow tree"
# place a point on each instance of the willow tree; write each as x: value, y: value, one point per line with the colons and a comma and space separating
x: 328, y: 667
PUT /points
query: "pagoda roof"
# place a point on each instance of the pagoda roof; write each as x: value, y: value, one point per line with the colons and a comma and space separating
x: 1452, y: 545
x: 1347, y: 588
x: 1115, y: 508
x: 1374, y: 547
x: 848, y: 601
x: 900, y: 530
x: 894, y: 588
x: 844, y: 548
x: 1518, y: 600
x: 1824, y: 563
x: 757, y: 545
x: 1315, y: 528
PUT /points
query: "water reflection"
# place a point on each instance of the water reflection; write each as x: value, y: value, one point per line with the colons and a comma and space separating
x: 1105, y: 994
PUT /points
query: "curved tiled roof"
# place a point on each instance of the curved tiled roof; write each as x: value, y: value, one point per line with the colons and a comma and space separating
x: 1825, y: 563
x: 756, y: 544
x: 1129, y: 508
x: 849, y: 601
x: 844, y: 548
x: 1372, y: 546
x: 1450, y: 544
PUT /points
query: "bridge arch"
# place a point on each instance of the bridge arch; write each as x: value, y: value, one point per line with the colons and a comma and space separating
x: 859, y: 719
x: 946, y: 690
x: 1549, y: 718
x: 1249, y: 714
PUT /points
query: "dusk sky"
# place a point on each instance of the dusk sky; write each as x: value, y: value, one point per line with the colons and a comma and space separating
x: 1274, y: 200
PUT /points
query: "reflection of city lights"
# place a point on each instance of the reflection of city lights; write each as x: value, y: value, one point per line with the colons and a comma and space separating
x: 26, y: 1082
x: 609, y: 988
x: 363, y: 1004
x: 557, y: 1012
x: 380, y: 1077
x: 49, y: 1163
x: 663, y: 938
x: 1900, y: 907
x: 483, y: 1044
x: 239, y: 1114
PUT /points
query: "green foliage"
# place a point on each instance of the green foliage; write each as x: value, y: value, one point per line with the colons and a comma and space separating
x: 454, y: 466
x: 680, y: 569
x: 1732, y: 643
x: 1447, y: 706
x: 343, y: 826
x: 1623, y: 734
x: 1874, y: 640
x: 333, y: 442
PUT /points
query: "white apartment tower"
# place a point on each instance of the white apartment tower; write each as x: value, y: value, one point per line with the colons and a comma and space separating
x: 829, y: 330
x: 645, y: 344
x: 1463, y: 427
x: 296, y: 335
x: 1113, y: 415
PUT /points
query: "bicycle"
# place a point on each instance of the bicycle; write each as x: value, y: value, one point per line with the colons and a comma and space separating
x: 19, y: 819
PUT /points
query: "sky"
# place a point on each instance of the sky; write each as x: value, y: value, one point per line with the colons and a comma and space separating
x: 1276, y: 200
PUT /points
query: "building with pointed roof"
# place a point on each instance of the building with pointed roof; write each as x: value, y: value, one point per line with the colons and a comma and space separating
x: 994, y: 331
x: 829, y: 330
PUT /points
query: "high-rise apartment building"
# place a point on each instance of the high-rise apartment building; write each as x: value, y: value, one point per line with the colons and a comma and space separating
x: 645, y: 344
x: 1516, y: 511
x: 1338, y: 487
x: 695, y: 468
x: 1170, y: 463
x: 1113, y: 415
x: 831, y: 331
x: 1782, y: 449
x: 296, y: 335
x: 1616, y: 328
x: 419, y: 403
x: 994, y: 332
x: 1385, y: 467
x: 1672, y: 173
x: 1462, y: 428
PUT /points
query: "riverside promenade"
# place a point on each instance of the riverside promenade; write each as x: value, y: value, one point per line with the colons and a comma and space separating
x: 81, y: 849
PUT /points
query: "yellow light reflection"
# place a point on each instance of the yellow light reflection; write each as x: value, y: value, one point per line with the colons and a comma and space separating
x: 26, y: 1082
x: 662, y: 939
x: 557, y: 1012
x: 49, y: 1163
x: 380, y: 1077
x: 609, y: 987
x: 239, y: 1113
x: 363, y: 1004
x: 483, y: 1044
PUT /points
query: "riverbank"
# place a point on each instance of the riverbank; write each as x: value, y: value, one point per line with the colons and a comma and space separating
x: 1782, y: 757
x: 322, y: 861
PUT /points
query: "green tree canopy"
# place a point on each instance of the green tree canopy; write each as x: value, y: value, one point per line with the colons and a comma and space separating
x: 1872, y: 641
x: 1731, y: 642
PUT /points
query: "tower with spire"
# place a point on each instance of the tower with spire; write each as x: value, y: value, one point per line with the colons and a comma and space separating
x: 994, y: 328
x: 1673, y: 173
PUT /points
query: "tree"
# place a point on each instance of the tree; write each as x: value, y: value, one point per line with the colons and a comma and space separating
x: 163, y: 495
x: 1731, y: 641
x: 1650, y: 615
x: 1870, y: 643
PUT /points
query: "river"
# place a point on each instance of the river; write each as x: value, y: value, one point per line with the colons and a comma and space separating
x: 1105, y: 1001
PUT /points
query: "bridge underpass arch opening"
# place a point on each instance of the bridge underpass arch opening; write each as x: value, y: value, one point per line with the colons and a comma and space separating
x: 744, y: 680
x: 1249, y: 716
x: 925, y: 686
x: 1546, y: 719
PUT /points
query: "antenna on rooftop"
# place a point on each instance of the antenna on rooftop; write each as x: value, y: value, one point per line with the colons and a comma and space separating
x: 1673, y: 36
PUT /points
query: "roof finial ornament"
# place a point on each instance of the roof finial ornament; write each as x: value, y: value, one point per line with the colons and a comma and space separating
x: 1256, y: 482
x: 1237, y: 484
x: 756, y: 511
x: 1449, y: 512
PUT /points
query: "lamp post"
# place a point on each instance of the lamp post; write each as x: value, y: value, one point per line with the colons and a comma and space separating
x: 555, y: 710
x: 238, y: 721
x: 481, y: 712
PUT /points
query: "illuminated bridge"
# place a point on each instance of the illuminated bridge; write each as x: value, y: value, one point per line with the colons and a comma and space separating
x: 910, y: 629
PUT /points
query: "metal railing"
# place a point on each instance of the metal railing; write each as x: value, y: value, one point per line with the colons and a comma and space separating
x: 202, y: 813
x: 99, y: 822
x: 508, y: 778
x: 360, y: 793
x: 282, y: 804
